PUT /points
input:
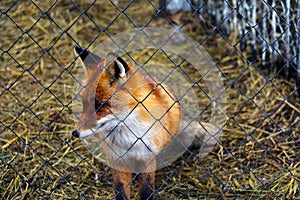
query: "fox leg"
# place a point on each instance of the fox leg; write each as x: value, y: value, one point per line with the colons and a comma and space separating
x: 121, y: 182
x: 146, y: 185
x: 146, y: 182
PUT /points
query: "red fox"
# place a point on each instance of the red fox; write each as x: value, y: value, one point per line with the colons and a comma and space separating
x: 136, y: 116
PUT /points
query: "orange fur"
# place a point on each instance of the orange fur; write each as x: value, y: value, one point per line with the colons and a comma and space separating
x: 153, y: 102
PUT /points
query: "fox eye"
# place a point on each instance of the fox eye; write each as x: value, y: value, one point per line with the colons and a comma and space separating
x: 100, y: 104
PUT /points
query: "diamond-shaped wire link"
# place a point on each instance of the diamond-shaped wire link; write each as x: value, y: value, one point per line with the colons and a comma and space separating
x: 258, y: 155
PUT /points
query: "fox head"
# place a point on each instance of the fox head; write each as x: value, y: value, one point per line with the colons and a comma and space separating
x: 122, y: 100
x: 104, y: 78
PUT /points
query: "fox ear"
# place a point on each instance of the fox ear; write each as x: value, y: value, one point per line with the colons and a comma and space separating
x: 87, y: 58
x: 117, y: 66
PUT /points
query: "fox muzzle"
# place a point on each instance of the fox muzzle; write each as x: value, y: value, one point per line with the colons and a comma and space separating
x: 75, y: 134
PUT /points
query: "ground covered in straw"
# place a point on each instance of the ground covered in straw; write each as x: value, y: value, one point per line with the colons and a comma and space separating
x: 257, y: 156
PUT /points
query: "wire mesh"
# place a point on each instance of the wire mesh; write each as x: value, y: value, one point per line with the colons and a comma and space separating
x: 255, y: 45
x: 269, y: 29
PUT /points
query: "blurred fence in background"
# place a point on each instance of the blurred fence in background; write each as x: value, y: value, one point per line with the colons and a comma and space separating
x: 268, y: 29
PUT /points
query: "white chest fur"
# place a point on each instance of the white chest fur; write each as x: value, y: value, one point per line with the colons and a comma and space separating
x: 126, y: 138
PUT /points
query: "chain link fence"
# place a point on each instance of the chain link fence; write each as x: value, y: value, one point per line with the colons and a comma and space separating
x: 255, y: 46
x: 268, y: 30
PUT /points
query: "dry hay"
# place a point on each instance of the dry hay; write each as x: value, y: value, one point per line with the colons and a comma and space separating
x: 258, y: 156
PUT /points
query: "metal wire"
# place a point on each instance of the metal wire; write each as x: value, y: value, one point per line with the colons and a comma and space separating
x: 266, y: 32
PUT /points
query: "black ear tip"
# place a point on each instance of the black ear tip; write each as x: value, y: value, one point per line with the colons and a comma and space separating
x: 116, y: 56
x: 83, y: 53
x: 78, y: 50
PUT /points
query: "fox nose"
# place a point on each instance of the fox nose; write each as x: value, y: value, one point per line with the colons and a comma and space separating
x: 75, y: 133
